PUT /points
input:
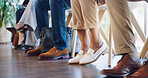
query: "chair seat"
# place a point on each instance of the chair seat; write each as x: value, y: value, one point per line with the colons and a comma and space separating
x: 132, y: 5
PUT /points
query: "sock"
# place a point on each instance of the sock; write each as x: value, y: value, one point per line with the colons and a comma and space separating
x: 134, y: 56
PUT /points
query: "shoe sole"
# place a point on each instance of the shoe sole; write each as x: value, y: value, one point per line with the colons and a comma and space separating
x: 73, y: 63
x: 54, y: 58
x: 113, y: 75
x: 118, y: 75
x: 103, y: 53
x: 32, y: 54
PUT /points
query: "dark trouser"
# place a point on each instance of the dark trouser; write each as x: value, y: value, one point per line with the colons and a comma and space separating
x: 59, y: 29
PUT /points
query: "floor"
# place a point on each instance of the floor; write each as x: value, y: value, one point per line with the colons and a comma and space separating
x: 15, y: 64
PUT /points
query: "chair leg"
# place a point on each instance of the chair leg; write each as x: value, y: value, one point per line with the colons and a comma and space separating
x: 144, y: 50
x: 74, y: 35
x: 101, y: 13
x: 137, y: 27
x: 74, y: 43
x: 141, y: 34
x: 68, y: 19
x: 108, y: 41
x: 50, y: 24
x: 110, y: 47
x: 145, y: 18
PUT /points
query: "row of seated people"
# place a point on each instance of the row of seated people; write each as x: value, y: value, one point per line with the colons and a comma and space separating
x: 85, y: 21
x: 20, y: 38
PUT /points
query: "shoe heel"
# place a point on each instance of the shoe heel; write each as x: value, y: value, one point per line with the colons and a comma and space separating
x: 65, y: 57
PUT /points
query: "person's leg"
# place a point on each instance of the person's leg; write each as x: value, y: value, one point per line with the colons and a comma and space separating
x: 90, y: 18
x: 78, y: 23
x: 85, y: 17
x: 42, y: 18
x: 124, y: 39
x: 85, y: 41
x: 123, y: 35
x: 91, y: 21
x: 31, y: 39
x: 19, y: 14
x: 89, y: 10
x: 96, y: 42
x: 59, y: 29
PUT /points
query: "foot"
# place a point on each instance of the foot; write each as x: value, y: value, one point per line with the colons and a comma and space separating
x: 54, y: 54
x: 141, y: 73
x: 125, y: 66
x: 92, y: 56
x: 34, y: 52
x: 76, y: 59
x: 18, y: 26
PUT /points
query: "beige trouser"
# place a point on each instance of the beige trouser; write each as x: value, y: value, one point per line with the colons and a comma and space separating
x: 85, y: 14
x: 123, y: 35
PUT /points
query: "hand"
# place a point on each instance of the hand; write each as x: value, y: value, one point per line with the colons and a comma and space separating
x: 19, y: 25
x: 100, y: 2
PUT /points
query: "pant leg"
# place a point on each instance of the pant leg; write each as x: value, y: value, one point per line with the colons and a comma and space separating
x: 123, y: 35
x: 31, y: 39
x: 85, y: 14
x: 78, y: 22
x: 19, y: 14
x: 42, y: 18
x: 59, y: 29
x: 89, y: 13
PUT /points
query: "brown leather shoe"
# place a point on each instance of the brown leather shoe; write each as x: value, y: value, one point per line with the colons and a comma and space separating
x: 141, y: 73
x: 125, y: 66
x: 34, y: 52
x: 54, y: 54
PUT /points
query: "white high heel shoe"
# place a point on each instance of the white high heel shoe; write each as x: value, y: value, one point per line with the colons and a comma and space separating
x: 76, y: 59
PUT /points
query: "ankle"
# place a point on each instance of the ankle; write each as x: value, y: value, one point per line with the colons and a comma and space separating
x: 84, y: 50
x: 96, y: 47
x: 134, y: 56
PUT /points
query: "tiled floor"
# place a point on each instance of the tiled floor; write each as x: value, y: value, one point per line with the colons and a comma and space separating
x: 14, y: 64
